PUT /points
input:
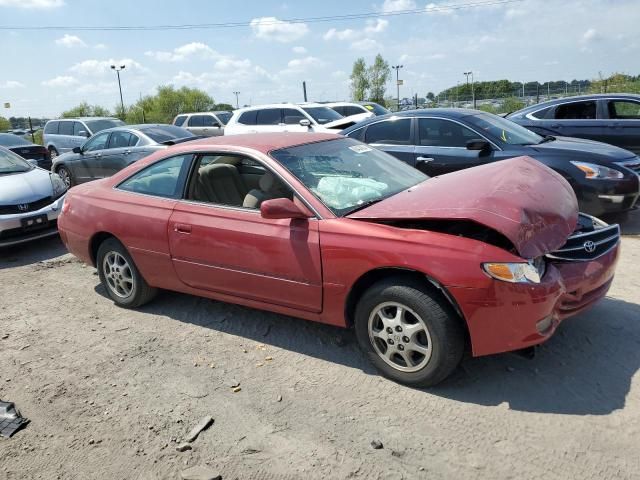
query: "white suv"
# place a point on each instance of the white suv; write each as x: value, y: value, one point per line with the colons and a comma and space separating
x: 287, y: 117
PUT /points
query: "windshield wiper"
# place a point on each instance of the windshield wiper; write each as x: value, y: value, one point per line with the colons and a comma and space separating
x: 364, y: 205
x: 547, y: 138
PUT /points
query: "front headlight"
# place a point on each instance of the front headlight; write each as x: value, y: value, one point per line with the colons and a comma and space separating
x: 57, y: 184
x: 598, y: 172
x: 525, y: 272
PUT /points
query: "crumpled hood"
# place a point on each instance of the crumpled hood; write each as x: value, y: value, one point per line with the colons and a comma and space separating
x: 589, y: 148
x: 25, y: 187
x: 528, y: 203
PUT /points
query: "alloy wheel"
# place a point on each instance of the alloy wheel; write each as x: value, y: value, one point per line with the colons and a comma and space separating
x: 400, y: 337
x: 118, y: 274
x: 65, y: 176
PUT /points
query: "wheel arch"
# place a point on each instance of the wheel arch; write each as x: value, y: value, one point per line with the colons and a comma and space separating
x: 96, y: 241
x: 373, y: 276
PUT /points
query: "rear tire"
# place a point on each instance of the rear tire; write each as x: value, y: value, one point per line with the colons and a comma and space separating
x: 53, y: 153
x: 410, y: 334
x: 120, y: 276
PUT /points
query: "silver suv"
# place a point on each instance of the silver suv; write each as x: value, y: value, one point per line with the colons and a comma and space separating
x: 206, y: 124
x: 63, y: 135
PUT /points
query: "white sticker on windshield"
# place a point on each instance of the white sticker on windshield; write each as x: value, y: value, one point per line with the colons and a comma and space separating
x: 360, y: 148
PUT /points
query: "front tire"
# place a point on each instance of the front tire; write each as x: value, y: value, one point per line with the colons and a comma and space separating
x: 120, y: 276
x: 409, y: 333
x: 53, y: 153
x: 66, y: 176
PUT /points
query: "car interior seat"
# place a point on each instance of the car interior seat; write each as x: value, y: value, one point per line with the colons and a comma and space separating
x: 270, y: 187
x: 220, y: 183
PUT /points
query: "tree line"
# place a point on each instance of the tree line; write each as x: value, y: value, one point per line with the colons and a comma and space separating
x: 370, y: 82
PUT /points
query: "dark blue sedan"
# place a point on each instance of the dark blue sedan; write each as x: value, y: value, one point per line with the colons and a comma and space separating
x: 438, y: 141
x: 609, y: 118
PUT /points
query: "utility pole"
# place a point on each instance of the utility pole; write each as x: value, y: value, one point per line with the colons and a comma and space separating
x: 236, y: 94
x: 397, y: 69
x: 304, y: 90
x: 473, y: 90
x: 117, y: 69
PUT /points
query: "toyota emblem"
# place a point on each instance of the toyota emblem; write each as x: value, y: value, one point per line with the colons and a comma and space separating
x: 23, y: 207
x: 589, y: 246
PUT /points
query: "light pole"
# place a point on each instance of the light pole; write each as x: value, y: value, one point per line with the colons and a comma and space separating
x: 473, y: 90
x: 236, y: 94
x: 117, y: 69
x: 397, y: 69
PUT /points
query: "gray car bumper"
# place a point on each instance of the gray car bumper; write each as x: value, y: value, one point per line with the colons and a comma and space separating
x: 14, y: 231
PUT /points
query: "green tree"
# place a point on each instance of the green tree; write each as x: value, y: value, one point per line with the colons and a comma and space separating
x: 223, y: 106
x: 512, y: 104
x: 169, y: 102
x: 86, y: 110
x: 378, y: 75
x: 359, y: 81
x: 4, y: 124
x: 431, y: 96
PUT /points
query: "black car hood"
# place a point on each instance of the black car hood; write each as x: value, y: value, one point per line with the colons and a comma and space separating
x: 604, y: 151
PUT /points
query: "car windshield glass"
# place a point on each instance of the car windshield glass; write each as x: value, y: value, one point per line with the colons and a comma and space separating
x: 165, y: 133
x: 224, y: 117
x: 503, y: 130
x: 12, y: 163
x: 11, y: 140
x: 99, y: 125
x: 347, y: 175
x: 376, y: 109
x: 322, y: 115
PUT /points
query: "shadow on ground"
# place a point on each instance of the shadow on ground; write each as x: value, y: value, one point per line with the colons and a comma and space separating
x: 32, y: 252
x: 585, y: 369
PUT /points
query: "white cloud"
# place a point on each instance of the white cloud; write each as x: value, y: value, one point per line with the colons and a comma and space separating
x: 303, y: 63
x: 230, y: 63
x: 395, y: 5
x: 33, y: 4
x: 101, y: 67
x: 365, y: 44
x: 70, y: 41
x: 11, y: 84
x: 270, y: 28
x: 60, y: 81
x: 439, y: 9
x: 591, y: 35
x: 360, y: 38
x: 299, y: 50
x: 100, y: 46
x: 183, y: 52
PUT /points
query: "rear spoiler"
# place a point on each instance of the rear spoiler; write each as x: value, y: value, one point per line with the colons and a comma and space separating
x: 175, y: 141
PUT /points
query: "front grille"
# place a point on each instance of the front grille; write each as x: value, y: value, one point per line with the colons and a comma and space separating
x: 590, y: 240
x: 22, y: 232
x: 631, y: 164
x: 26, y: 207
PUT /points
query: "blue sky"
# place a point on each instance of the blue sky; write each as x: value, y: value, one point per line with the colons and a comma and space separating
x: 46, y: 72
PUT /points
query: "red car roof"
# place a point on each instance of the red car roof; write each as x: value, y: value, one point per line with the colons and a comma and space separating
x: 262, y: 142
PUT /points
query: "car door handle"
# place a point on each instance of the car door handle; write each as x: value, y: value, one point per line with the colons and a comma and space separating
x: 127, y: 152
x: 425, y: 159
x: 98, y: 155
x: 182, y: 228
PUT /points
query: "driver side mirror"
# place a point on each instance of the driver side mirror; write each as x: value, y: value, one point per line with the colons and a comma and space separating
x: 479, y: 145
x: 84, y: 133
x: 278, y: 208
x: 77, y: 150
x: 305, y: 122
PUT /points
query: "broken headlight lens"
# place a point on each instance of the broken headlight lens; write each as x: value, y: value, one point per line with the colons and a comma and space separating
x: 525, y: 272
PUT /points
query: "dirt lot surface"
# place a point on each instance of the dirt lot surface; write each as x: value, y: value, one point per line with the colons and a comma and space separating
x: 111, y: 393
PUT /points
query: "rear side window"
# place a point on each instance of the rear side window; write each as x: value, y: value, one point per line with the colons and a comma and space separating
x: 351, y: 110
x: 162, y: 179
x: 542, y: 114
x: 248, y: 118
x: 195, y: 121
x: 120, y: 140
x: 340, y: 110
x: 268, y: 116
x: 624, y: 109
x: 357, y: 134
x: 208, y: 121
x: 179, y: 120
x: 390, y: 132
x: 576, y: 111
x: 51, y: 128
x: 66, y: 128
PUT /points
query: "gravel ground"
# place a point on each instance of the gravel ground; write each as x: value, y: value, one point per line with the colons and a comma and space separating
x: 111, y: 393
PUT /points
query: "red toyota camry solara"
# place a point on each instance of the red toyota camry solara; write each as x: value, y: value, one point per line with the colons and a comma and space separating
x: 326, y: 228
